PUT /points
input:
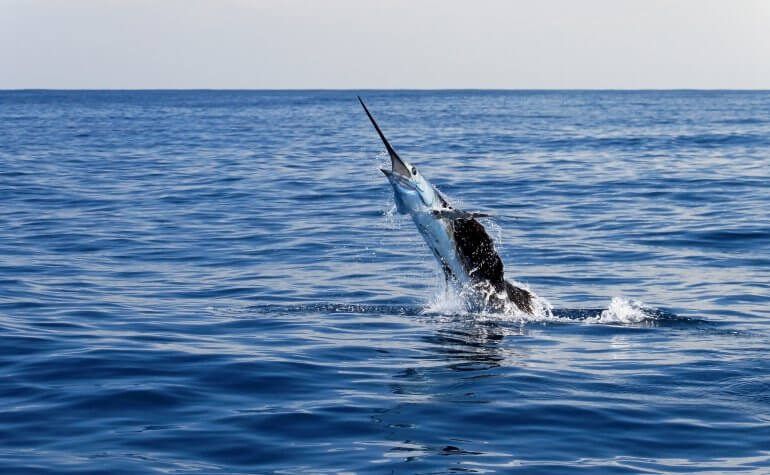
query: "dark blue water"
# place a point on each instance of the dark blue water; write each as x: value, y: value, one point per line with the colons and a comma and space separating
x: 215, y: 282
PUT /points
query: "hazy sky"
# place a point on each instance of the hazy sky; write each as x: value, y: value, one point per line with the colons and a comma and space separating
x: 384, y: 44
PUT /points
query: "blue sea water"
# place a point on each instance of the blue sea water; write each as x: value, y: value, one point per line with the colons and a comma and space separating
x: 216, y: 282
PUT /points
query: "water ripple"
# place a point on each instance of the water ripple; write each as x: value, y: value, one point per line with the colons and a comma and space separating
x: 215, y: 282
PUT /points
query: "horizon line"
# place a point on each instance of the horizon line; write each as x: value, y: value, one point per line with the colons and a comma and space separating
x: 620, y: 89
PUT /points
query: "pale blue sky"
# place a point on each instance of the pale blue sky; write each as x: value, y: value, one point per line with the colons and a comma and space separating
x: 393, y: 44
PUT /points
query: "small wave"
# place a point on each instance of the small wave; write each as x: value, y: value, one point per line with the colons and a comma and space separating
x: 620, y: 311
x: 328, y: 307
x: 448, y: 303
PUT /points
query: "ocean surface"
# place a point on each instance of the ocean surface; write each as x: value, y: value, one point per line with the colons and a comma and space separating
x: 217, y: 282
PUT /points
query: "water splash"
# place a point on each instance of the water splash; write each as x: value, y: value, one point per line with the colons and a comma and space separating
x: 451, y: 300
x: 391, y: 217
x: 624, y: 311
x: 445, y: 300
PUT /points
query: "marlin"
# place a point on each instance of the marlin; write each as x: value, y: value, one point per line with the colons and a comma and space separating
x: 457, y: 240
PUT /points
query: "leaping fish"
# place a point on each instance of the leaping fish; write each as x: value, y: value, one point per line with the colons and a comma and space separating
x: 458, y: 241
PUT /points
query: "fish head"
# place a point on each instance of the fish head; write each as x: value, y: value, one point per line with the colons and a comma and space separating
x: 412, y: 192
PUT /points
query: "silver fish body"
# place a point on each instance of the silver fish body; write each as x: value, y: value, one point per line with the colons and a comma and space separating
x: 460, y: 244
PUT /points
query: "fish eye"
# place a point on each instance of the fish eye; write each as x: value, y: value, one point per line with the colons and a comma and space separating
x: 414, y: 170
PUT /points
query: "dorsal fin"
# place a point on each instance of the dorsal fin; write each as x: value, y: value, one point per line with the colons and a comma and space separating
x: 477, y: 252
